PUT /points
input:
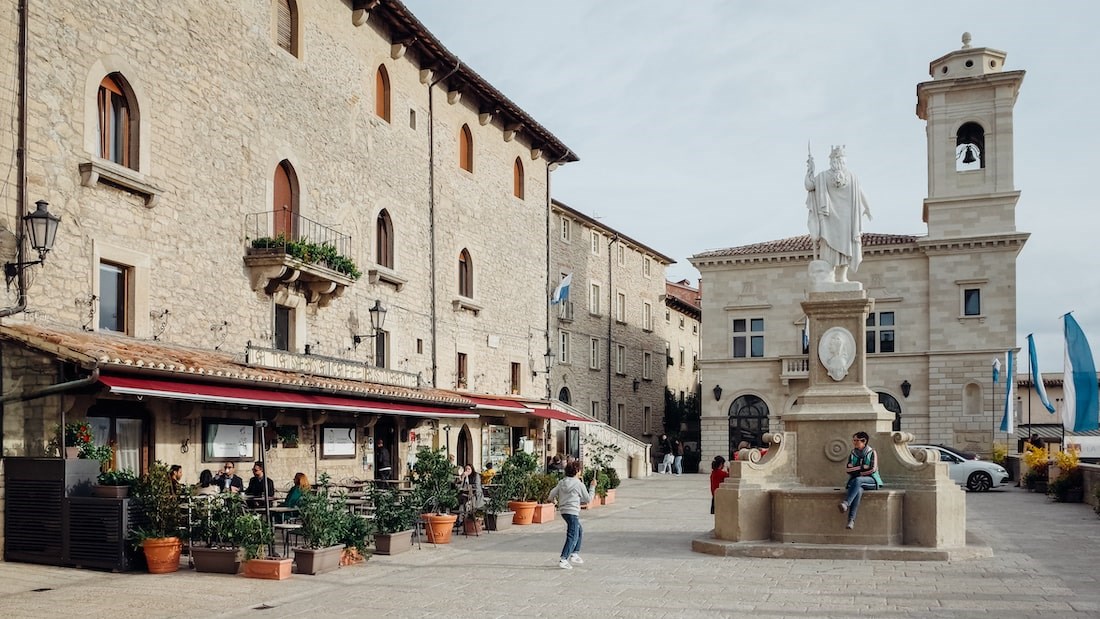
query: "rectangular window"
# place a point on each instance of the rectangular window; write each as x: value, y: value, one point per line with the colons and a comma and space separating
x: 681, y: 356
x: 419, y: 346
x: 284, y: 320
x: 880, y: 332
x: 972, y: 302
x: 646, y: 413
x: 595, y: 243
x: 647, y: 316
x: 748, y: 337
x: 595, y: 409
x: 566, y: 229
x: 620, y: 307
x: 460, y: 371
x: 620, y: 359
x: 647, y: 360
x: 381, y: 348
x: 563, y: 347
x: 593, y: 353
x: 668, y: 353
x: 668, y: 316
x: 620, y: 254
x: 515, y: 378
x: 681, y: 322
x: 646, y: 266
x: 695, y: 328
x: 114, y: 298
x: 594, y: 299
x: 620, y: 412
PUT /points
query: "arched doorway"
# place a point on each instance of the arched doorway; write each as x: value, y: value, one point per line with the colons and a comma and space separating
x: 748, y: 416
x: 565, y: 396
x: 464, y: 448
x: 891, y: 404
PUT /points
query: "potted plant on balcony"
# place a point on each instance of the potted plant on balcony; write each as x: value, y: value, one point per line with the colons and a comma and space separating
x: 77, y: 435
x: 394, y: 519
x: 323, y: 523
x: 217, y: 518
x: 543, y: 484
x: 255, y: 539
x: 158, y: 510
x: 524, y: 495
x: 435, y: 492
x: 114, y: 484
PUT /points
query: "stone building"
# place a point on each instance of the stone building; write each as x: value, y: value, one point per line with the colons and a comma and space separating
x: 683, y: 318
x: 240, y: 184
x: 611, y: 342
x: 944, y: 302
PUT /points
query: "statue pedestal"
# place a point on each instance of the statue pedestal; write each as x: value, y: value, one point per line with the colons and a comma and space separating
x: 791, y: 494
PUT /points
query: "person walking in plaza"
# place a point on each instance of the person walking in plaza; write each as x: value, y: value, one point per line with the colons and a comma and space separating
x: 718, y: 474
x: 678, y: 458
x: 664, y: 452
x: 570, y: 493
x: 862, y: 469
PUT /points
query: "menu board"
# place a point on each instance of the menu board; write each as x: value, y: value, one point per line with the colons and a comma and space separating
x: 228, y: 441
x: 338, y: 442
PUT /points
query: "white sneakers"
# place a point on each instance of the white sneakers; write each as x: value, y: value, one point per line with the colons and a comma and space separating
x: 565, y: 565
x: 575, y: 558
x: 843, y: 507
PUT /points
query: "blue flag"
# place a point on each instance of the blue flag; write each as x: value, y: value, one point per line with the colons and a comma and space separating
x: 1007, y: 421
x: 1079, y: 385
x: 996, y: 370
x: 1036, y: 376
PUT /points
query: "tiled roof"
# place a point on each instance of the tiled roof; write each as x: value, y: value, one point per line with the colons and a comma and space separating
x: 109, y: 351
x: 803, y: 244
x: 684, y: 298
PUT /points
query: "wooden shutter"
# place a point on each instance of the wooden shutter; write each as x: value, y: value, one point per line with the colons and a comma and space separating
x: 285, y: 31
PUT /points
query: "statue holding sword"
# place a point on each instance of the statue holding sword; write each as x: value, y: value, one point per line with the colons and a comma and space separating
x: 836, y: 207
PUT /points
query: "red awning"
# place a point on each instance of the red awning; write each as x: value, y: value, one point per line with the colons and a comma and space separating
x: 550, y: 413
x: 201, y: 392
x: 497, y: 404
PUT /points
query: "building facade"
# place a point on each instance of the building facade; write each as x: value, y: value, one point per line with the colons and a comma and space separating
x: 239, y: 186
x: 944, y: 303
x: 611, y: 344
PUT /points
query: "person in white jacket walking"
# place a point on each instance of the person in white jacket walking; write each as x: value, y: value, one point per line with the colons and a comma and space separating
x: 570, y: 493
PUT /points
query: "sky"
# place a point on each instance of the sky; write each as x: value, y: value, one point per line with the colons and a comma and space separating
x: 691, y: 118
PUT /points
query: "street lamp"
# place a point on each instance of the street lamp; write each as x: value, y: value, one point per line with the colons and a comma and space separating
x: 377, y: 319
x: 40, y: 227
x: 905, y: 388
x: 718, y: 392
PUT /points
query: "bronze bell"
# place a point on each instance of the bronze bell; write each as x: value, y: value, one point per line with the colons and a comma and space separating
x: 968, y: 156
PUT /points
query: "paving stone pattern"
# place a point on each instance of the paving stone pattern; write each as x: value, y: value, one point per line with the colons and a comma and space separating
x: 638, y: 563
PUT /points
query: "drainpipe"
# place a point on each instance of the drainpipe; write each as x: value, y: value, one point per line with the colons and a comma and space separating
x: 610, y: 321
x: 87, y: 381
x: 431, y: 219
x: 20, y: 164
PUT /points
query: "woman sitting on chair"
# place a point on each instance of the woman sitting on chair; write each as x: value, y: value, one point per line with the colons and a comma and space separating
x: 301, y: 486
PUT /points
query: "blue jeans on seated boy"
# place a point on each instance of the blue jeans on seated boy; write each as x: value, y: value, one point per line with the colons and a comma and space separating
x: 856, y: 486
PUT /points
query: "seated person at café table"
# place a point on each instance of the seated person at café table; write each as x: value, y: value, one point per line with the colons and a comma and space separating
x: 206, y: 483
x: 301, y: 486
x: 488, y: 473
x: 228, y: 480
x: 470, y: 495
x: 175, y: 475
x: 255, y: 489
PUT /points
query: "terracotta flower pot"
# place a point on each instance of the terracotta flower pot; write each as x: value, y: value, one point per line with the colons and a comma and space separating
x: 162, y: 554
x: 543, y: 513
x: 472, y: 526
x: 525, y: 511
x: 439, y: 527
x: 269, y: 569
x: 609, y: 499
x: 72, y: 453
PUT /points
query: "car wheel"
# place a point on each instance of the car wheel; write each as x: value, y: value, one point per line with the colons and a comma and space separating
x: 979, y: 481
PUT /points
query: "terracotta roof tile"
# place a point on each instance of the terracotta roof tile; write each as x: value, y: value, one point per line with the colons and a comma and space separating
x: 802, y: 244
x: 107, y: 351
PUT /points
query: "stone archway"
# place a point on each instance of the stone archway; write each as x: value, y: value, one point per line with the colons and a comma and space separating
x: 565, y: 396
x: 891, y: 404
x: 748, y: 417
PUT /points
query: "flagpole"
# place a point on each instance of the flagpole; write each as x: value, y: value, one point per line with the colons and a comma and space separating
x: 1030, y: 380
x: 993, y: 436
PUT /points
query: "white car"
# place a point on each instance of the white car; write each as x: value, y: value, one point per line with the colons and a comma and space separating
x: 974, y: 475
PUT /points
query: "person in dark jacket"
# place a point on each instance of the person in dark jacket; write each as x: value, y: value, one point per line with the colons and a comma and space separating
x: 228, y: 480
x: 256, y: 485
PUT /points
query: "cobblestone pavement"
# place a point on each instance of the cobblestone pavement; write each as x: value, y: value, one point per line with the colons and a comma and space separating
x: 638, y: 562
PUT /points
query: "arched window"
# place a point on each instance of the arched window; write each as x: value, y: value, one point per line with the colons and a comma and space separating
x: 972, y: 400
x: 465, y: 275
x: 286, y: 30
x: 517, y: 179
x: 384, y: 234
x: 285, y: 204
x: 748, y: 416
x: 564, y: 395
x: 382, y: 93
x: 117, y: 122
x: 969, y: 147
x: 466, y: 149
x: 891, y: 404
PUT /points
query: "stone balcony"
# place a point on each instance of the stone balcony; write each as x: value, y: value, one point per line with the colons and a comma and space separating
x: 794, y: 367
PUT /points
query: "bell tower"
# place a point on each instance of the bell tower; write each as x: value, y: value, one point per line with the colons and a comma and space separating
x: 968, y: 110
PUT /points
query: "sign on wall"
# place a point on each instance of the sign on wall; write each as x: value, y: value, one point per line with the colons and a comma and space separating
x: 228, y: 441
x: 338, y: 442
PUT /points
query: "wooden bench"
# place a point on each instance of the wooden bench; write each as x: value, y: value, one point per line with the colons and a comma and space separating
x: 810, y: 515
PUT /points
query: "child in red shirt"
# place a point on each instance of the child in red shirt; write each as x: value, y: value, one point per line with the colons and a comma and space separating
x: 718, y: 473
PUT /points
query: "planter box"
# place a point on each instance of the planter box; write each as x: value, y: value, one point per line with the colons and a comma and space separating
x: 110, y: 492
x: 524, y: 511
x: 319, y: 561
x: 393, y: 543
x: 609, y: 499
x: 217, y: 560
x: 268, y: 569
x: 543, y: 513
x: 499, y: 522
x: 593, y: 505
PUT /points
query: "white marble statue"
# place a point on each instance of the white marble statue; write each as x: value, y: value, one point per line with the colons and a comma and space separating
x: 836, y: 205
